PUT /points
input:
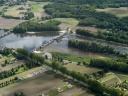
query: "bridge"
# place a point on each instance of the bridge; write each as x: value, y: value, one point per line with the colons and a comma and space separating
x: 50, y: 41
x: 5, y: 34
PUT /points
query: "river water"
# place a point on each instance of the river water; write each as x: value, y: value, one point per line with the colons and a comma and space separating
x: 62, y: 46
x: 31, y: 41
x: 28, y: 41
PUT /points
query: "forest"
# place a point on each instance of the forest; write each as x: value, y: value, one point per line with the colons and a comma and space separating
x: 87, y: 15
x: 37, y: 27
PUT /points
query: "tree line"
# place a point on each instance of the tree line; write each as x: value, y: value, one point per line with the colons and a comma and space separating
x: 37, y: 27
x: 109, y: 64
x: 115, y: 36
x: 93, y: 47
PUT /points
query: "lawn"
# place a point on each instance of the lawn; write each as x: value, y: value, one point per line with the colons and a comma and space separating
x: 120, y: 12
x: 81, y: 68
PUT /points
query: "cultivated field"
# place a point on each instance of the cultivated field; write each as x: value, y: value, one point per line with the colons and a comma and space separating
x: 9, y: 23
x: 122, y: 76
x: 120, y: 12
x: 81, y: 68
x: 34, y: 86
x: 110, y: 78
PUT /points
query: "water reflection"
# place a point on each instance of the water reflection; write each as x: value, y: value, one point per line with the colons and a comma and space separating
x: 28, y: 41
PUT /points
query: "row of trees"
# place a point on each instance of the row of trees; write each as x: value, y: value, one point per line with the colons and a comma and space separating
x: 33, y: 60
x: 115, y: 36
x: 35, y: 26
x: 13, y: 71
x: 109, y: 65
x: 93, y: 47
x: 92, y: 85
x: 6, y: 83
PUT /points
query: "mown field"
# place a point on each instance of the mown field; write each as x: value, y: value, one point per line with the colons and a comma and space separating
x: 120, y: 12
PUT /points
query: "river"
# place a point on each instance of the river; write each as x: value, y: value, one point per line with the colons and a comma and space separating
x: 31, y: 41
x: 28, y: 41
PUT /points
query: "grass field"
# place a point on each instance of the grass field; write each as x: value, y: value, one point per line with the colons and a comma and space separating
x: 13, y: 11
x: 70, y: 21
x: 37, y: 8
x: 81, y: 68
x: 120, y: 12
